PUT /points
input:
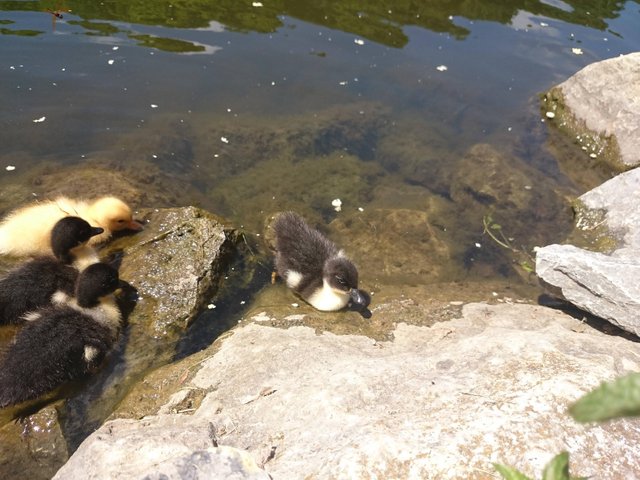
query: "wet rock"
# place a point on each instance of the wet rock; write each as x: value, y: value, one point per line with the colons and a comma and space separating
x: 490, y: 386
x: 598, y: 106
x: 604, y: 284
x: 33, y: 447
x: 174, y: 264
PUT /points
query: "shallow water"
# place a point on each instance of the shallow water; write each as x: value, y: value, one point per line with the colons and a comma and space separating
x: 422, y: 118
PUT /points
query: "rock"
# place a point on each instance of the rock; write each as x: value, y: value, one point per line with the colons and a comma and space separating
x: 161, y: 454
x: 174, y: 264
x: 33, y: 447
x: 619, y: 198
x: 437, y: 402
x: 599, y: 106
x: 606, y: 285
x: 603, y: 285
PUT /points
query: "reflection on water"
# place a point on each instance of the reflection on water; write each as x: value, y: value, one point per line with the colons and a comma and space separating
x: 380, y: 22
x: 422, y: 117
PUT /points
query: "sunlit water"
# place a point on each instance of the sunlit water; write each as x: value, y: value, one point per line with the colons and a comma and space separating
x: 260, y: 107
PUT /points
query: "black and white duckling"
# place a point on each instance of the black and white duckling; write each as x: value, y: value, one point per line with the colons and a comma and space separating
x: 64, y: 341
x: 27, y: 231
x: 32, y: 285
x: 313, y: 266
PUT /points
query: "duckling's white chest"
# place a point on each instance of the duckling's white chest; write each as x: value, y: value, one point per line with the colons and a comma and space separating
x: 328, y: 299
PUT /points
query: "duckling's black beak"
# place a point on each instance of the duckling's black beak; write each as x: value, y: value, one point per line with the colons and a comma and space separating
x: 96, y: 231
x: 358, y: 299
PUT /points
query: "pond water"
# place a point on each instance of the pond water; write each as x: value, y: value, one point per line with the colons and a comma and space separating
x: 208, y: 92
x: 422, y: 117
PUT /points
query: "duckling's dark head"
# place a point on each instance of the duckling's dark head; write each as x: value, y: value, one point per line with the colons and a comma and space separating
x: 96, y: 281
x: 342, y: 276
x: 68, y: 233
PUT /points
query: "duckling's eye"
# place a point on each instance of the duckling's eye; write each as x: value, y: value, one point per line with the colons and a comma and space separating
x: 121, y: 220
x: 341, y: 281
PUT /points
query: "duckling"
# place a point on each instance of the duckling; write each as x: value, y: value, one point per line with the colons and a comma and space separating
x: 64, y: 341
x: 313, y: 266
x: 27, y: 231
x: 32, y: 285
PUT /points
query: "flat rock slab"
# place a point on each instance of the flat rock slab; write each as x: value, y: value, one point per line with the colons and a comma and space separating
x: 606, y: 285
x: 606, y: 97
x: 440, y: 402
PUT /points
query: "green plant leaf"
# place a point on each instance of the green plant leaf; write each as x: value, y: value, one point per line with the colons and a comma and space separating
x: 619, y: 398
x: 526, y: 267
x: 496, y: 226
x: 509, y: 473
x: 557, y: 468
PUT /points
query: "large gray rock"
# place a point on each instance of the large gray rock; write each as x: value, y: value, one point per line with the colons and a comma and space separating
x: 606, y: 285
x: 601, y: 105
x: 440, y: 402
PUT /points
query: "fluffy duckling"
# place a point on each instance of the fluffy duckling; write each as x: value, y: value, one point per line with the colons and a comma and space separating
x: 27, y: 231
x: 65, y: 341
x: 32, y: 285
x: 313, y: 266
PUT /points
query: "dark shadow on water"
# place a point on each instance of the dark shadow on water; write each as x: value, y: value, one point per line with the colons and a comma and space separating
x: 248, y: 273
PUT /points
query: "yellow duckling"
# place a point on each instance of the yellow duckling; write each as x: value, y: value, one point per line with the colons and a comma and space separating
x: 27, y: 230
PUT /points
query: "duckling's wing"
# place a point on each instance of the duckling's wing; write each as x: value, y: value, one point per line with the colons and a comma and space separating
x: 300, y: 247
x: 31, y: 286
x: 27, y: 231
x: 50, y: 351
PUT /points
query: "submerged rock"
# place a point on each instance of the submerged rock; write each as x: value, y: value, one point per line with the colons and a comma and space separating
x: 604, y: 284
x: 518, y: 205
x: 436, y: 402
x: 33, y: 447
